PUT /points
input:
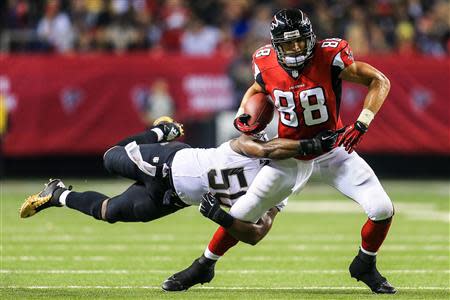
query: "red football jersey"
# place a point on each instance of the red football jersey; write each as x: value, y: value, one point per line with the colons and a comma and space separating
x: 307, y: 101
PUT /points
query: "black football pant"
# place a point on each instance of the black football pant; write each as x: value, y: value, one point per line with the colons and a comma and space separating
x: 143, y: 200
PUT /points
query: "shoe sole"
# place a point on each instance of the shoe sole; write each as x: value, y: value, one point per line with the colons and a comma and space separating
x: 30, y: 205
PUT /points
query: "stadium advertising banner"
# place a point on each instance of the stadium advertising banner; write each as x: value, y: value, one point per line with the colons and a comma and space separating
x: 83, y: 104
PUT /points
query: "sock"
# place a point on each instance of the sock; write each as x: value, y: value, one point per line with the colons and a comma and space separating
x: 63, y: 196
x: 89, y: 203
x: 373, y: 234
x: 219, y: 244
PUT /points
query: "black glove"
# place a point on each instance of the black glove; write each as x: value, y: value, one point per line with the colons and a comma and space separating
x: 321, y: 143
x: 210, y: 208
x: 168, y: 131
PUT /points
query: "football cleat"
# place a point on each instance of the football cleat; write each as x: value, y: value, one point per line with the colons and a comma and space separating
x: 163, y: 119
x: 48, y: 197
x: 197, y: 273
x: 169, y: 128
x: 366, y: 271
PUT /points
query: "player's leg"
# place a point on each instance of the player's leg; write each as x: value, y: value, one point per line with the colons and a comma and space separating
x: 116, y: 161
x: 133, y: 205
x: 272, y: 185
x: 352, y: 176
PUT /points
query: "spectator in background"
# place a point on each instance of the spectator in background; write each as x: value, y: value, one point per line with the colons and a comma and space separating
x: 405, y: 38
x: 258, y: 23
x: 236, y: 15
x: 55, y: 28
x: 199, y: 39
x: 17, y: 14
x: 175, y: 16
x: 356, y: 32
x: 121, y: 34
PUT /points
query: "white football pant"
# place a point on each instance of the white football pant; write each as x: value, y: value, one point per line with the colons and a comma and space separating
x: 348, y: 173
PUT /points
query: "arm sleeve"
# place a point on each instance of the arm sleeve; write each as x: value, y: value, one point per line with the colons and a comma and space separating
x: 145, y: 137
x: 257, y: 75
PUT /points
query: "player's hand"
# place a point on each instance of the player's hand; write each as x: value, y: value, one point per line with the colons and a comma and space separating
x: 352, y: 136
x: 328, y: 139
x: 321, y: 143
x: 210, y: 208
x: 241, y: 124
x: 168, y: 131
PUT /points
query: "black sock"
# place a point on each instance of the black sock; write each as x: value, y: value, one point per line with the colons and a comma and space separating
x: 369, y: 259
x: 89, y: 203
x: 206, y: 261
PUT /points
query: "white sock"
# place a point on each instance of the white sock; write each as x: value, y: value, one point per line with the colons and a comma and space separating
x: 210, y: 255
x: 368, y: 252
x: 62, y: 198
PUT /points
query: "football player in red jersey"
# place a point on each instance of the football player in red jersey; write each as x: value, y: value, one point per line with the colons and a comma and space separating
x: 304, y: 77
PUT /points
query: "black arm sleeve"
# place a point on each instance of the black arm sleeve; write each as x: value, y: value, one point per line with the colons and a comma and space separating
x: 145, y: 137
x: 260, y: 81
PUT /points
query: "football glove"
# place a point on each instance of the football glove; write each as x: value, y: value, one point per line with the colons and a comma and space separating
x: 241, y: 124
x: 210, y: 208
x: 168, y: 131
x: 323, y: 142
x: 352, y: 136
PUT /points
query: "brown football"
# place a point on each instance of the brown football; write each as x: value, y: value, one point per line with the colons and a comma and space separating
x: 260, y: 108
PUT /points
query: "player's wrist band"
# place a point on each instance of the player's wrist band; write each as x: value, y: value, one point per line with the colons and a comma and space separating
x: 223, y: 218
x: 366, y: 116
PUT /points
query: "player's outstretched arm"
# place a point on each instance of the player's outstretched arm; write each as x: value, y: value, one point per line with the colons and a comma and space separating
x: 280, y: 148
x: 245, y: 232
x: 378, y: 88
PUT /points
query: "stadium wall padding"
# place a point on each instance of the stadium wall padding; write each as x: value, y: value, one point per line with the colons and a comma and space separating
x: 83, y: 104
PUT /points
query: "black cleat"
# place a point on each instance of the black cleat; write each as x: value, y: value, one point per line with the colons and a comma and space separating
x: 363, y: 268
x: 198, y: 272
x: 48, y: 197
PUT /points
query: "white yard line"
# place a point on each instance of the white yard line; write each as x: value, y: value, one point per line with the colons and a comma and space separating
x: 226, y: 288
x: 250, y: 271
x: 120, y: 247
x: 267, y: 258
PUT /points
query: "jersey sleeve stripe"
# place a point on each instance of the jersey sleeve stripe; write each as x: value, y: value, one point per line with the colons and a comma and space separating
x: 337, y: 61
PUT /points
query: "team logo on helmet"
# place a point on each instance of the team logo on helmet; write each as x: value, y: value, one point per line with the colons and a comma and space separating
x: 275, y: 23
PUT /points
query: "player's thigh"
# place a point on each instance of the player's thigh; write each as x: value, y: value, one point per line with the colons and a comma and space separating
x: 353, y: 177
x: 136, y: 205
x: 116, y: 161
x: 271, y: 186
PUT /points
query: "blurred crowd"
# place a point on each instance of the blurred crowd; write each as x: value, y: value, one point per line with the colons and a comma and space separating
x: 203, y: 27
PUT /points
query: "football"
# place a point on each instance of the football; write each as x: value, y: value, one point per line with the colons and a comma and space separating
x: 260, y: 108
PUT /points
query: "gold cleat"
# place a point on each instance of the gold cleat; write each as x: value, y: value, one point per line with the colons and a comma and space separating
x: 163, y: 119
x: 29, y: 207
x: 48, y: 197
x: 175, y: 132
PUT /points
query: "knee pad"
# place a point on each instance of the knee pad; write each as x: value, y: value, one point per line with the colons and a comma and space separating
x: 382, y: 211
x: 108, y: 158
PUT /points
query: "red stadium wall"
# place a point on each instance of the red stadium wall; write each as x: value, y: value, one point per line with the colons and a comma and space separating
x: 83, y: 104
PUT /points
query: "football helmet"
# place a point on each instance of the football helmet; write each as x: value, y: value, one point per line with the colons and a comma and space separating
x: 292, y: 38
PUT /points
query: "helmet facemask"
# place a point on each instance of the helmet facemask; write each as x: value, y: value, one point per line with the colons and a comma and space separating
x: 292, y: 38
x: 286, y: 53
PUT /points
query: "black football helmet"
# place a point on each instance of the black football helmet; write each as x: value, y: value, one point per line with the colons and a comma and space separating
x: 290, y: 25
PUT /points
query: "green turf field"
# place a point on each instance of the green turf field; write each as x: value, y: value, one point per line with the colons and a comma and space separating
x: 61, y: 253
